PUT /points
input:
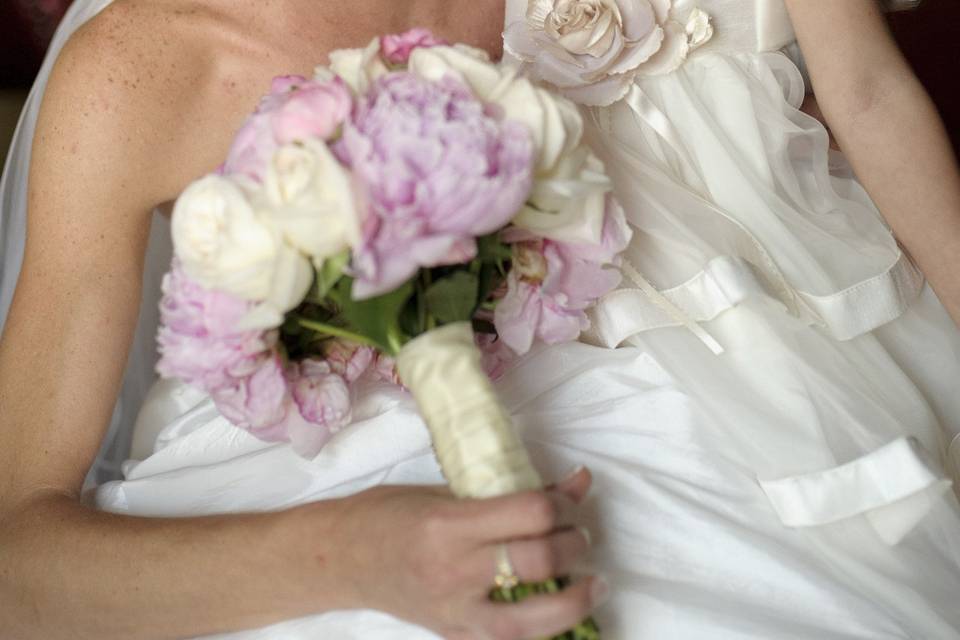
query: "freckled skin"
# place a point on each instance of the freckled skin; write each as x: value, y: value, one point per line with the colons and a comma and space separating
x: 225, y: 53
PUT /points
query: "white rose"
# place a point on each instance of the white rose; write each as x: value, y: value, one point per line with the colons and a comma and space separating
x: 358, y: 67
x: 291, y: 280
x: 310, y: 198
x: 224, y: 244
x: 569, y: 204
x: 554, y: 123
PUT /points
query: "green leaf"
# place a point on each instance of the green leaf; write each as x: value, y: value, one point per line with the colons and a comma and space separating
x: 490, y: 250
x: 409, y: 319
x: 490, y: 280
x: 377, y: 319
x: 454, y: 298
x: 329, y: 274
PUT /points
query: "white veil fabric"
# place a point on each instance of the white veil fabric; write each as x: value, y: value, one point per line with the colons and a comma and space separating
x: 13, y: 228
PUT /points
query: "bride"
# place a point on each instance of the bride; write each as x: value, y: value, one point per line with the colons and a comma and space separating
x: 767, y: 405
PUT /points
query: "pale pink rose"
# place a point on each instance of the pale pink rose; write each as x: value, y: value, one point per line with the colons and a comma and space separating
x: 296, y: 109
x: 591, y: 50
x: 311, y: 109
x: 321, y: 395
x: 551, y: 284
x: 385, y: 370
x: 349, y: 360
x: 396, y: 48
x: 496, y: 356
x: 529, y: 312
x: 258, y: 402
x: 306, y: 438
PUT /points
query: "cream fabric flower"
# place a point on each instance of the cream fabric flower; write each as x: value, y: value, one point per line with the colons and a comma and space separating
x: 591, y: 50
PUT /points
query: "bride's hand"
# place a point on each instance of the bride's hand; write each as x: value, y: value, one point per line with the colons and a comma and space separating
x: 419, y: 554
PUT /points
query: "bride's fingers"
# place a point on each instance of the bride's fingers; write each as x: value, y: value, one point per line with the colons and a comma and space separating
x: 532, y: 559
x: 536, y: 560
x: 519, y: 515
x: 543, y: 616
x: 575, y: 486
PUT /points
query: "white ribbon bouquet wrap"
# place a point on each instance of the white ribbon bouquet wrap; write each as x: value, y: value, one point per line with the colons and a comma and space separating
x: 478, y: 449
x: 413, y: 214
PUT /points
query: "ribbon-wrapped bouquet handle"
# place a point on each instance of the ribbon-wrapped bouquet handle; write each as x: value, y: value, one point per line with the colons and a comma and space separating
x: 477, y: 447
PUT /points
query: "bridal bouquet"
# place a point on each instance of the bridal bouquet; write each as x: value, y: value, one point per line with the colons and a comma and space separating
x: 412, y: 214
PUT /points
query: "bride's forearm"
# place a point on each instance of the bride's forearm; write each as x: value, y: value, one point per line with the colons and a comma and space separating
x: 67, y: 571
x: 901, y: 152
x: 889, y: 129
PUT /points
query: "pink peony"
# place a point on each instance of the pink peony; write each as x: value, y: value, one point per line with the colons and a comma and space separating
x: 303, y: 404
x: 385, y: 370
x: 198, y: 339
x: 396, y: 48
x: 259, y: 402
x: 496, y: 356
x: 296, y: 109
x: 349, y: 360
x: 552, y: 284
x: 321, y: 395
x: 437, y: 170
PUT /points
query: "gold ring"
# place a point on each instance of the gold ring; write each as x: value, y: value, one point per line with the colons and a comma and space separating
x: 506, y: 577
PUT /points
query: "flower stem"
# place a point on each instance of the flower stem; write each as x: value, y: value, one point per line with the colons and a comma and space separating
x: 586, y: 630
x: 336, y: 332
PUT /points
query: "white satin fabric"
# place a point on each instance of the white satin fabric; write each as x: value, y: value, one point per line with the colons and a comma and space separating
x: 795, y: 486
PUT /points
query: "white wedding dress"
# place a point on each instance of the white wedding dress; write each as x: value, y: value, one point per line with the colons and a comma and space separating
x: 795, y: 486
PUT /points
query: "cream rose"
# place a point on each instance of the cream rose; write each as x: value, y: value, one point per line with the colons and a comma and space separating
x: 224, y: 243
x: 358, y: 67
x: 568, y: 205
x: 554, y: 123
x: 592, y: 50
x: 309, y: 197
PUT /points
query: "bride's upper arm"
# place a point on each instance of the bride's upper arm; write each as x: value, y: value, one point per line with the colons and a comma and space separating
x: 853, y: 60
x: 113, y: 139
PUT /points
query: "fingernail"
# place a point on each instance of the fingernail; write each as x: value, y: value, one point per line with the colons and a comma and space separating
x: 599, y: 591
x: 571, y: 474
x: 587, y: 535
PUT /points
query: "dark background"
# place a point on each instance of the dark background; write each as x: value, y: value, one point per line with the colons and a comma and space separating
x: 930, y: 36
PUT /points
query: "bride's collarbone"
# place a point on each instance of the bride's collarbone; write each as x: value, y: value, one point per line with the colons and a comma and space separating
x: 193, y: 70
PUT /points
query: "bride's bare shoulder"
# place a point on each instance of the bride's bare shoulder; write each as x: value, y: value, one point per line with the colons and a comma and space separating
x: 165, y: 81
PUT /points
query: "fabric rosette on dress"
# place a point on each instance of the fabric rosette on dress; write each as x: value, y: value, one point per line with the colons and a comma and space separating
x: 593, y: 49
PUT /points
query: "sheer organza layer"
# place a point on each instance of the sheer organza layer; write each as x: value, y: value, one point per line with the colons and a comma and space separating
x: 732, y: 188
